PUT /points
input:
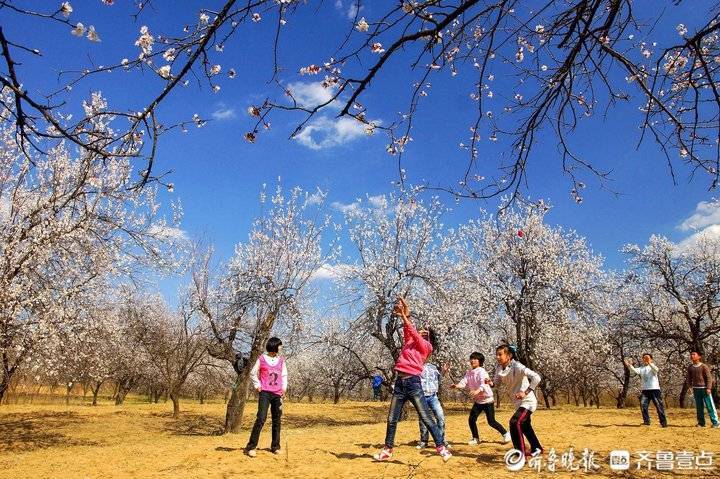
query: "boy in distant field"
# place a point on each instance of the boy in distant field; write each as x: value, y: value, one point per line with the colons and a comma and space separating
x: 269, y: 377
x: 699, y: 379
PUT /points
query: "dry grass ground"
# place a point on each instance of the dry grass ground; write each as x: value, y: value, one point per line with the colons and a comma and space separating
x: 319, y: 440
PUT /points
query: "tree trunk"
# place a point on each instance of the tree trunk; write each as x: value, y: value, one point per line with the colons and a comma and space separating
x: 336, y: 392
x: 622, y: 397
x: 123, y: 389
x: 683, y: 395
x: 545, y: 396
x: 3, y: 387
x: 236, y: 404
x: 95, y: 391
x: 176, y: 403
x: 68, y: 389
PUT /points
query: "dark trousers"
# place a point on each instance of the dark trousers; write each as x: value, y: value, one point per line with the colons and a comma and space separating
x: 410, y: 389
x: 655, y: 396
x: 376, y: 393
x: 489, y: 410
x: 520, y: 426
x: 274, y: 403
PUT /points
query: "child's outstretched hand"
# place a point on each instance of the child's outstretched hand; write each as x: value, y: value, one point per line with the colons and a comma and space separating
x: 401, y: 307
x: 405, y: 307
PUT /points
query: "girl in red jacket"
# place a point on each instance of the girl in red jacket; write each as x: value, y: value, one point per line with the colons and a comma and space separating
x: 409, y: 366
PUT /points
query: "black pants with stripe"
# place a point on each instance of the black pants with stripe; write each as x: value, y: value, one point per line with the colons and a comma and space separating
x: 520, y: 426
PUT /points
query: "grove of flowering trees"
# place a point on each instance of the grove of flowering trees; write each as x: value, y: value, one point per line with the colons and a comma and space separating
x: 505, y: 278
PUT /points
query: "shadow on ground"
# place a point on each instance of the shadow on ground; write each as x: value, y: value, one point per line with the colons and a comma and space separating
x: 188, y: 424
x: 23, y: 432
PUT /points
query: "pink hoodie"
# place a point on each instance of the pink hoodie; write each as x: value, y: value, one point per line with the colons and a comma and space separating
x: 414, y: 352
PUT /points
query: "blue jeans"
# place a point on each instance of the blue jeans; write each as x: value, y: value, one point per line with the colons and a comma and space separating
x: 436, y: 408
x: 655, y: 396
x: 410, y: 388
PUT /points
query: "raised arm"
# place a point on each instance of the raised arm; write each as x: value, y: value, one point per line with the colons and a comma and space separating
x: 631, y: 367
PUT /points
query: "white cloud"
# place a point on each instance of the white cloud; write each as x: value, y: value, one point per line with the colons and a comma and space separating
x: 330, y: 271
x: 338, y: 4
x: 710, y: 235
x: 345, y: 207
x: 353, y: 10
x: 377, y: 202
x: 324, y: 132
x: 704, y: 224
x: 168, y: 232
x: 706, y: 213
x: 310, y: 95
x: 223, y: 113
x: 316, y: 198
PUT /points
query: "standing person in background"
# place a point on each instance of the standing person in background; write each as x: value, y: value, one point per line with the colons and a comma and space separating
x: 409, y: 367
x: 376, y: 385
x: 699, y: 378
x: 521, y: 382
x: 650, y: 389
x: 270, y: 379
x: 482, y: 394
x: 430, y: 381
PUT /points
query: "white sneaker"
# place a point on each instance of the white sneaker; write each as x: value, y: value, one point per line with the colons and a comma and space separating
x: 506, y: 438
x: 383, y: 455
x: 277, y: 451
x: 252, y: 453
x: 473, y: 442
x: 444, y: 453
x: 421, y: 445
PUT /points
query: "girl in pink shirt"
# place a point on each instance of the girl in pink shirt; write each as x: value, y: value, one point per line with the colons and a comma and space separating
x: 409, y: 366
x: 482, y: 394
x: 269, y: 377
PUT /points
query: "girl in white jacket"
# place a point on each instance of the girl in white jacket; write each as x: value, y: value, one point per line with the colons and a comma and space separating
x: 522, y: 383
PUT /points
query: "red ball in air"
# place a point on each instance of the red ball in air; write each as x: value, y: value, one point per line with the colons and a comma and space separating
x: 520, y: 233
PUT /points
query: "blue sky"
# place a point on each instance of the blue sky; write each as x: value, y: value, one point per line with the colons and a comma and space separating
x: 218, y: 176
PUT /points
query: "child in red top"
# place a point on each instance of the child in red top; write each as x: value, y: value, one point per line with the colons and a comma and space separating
x: 269, y: 377
x: 408, y: 386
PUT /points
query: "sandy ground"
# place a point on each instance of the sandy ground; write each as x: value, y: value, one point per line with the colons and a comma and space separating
x: 318, y: 440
